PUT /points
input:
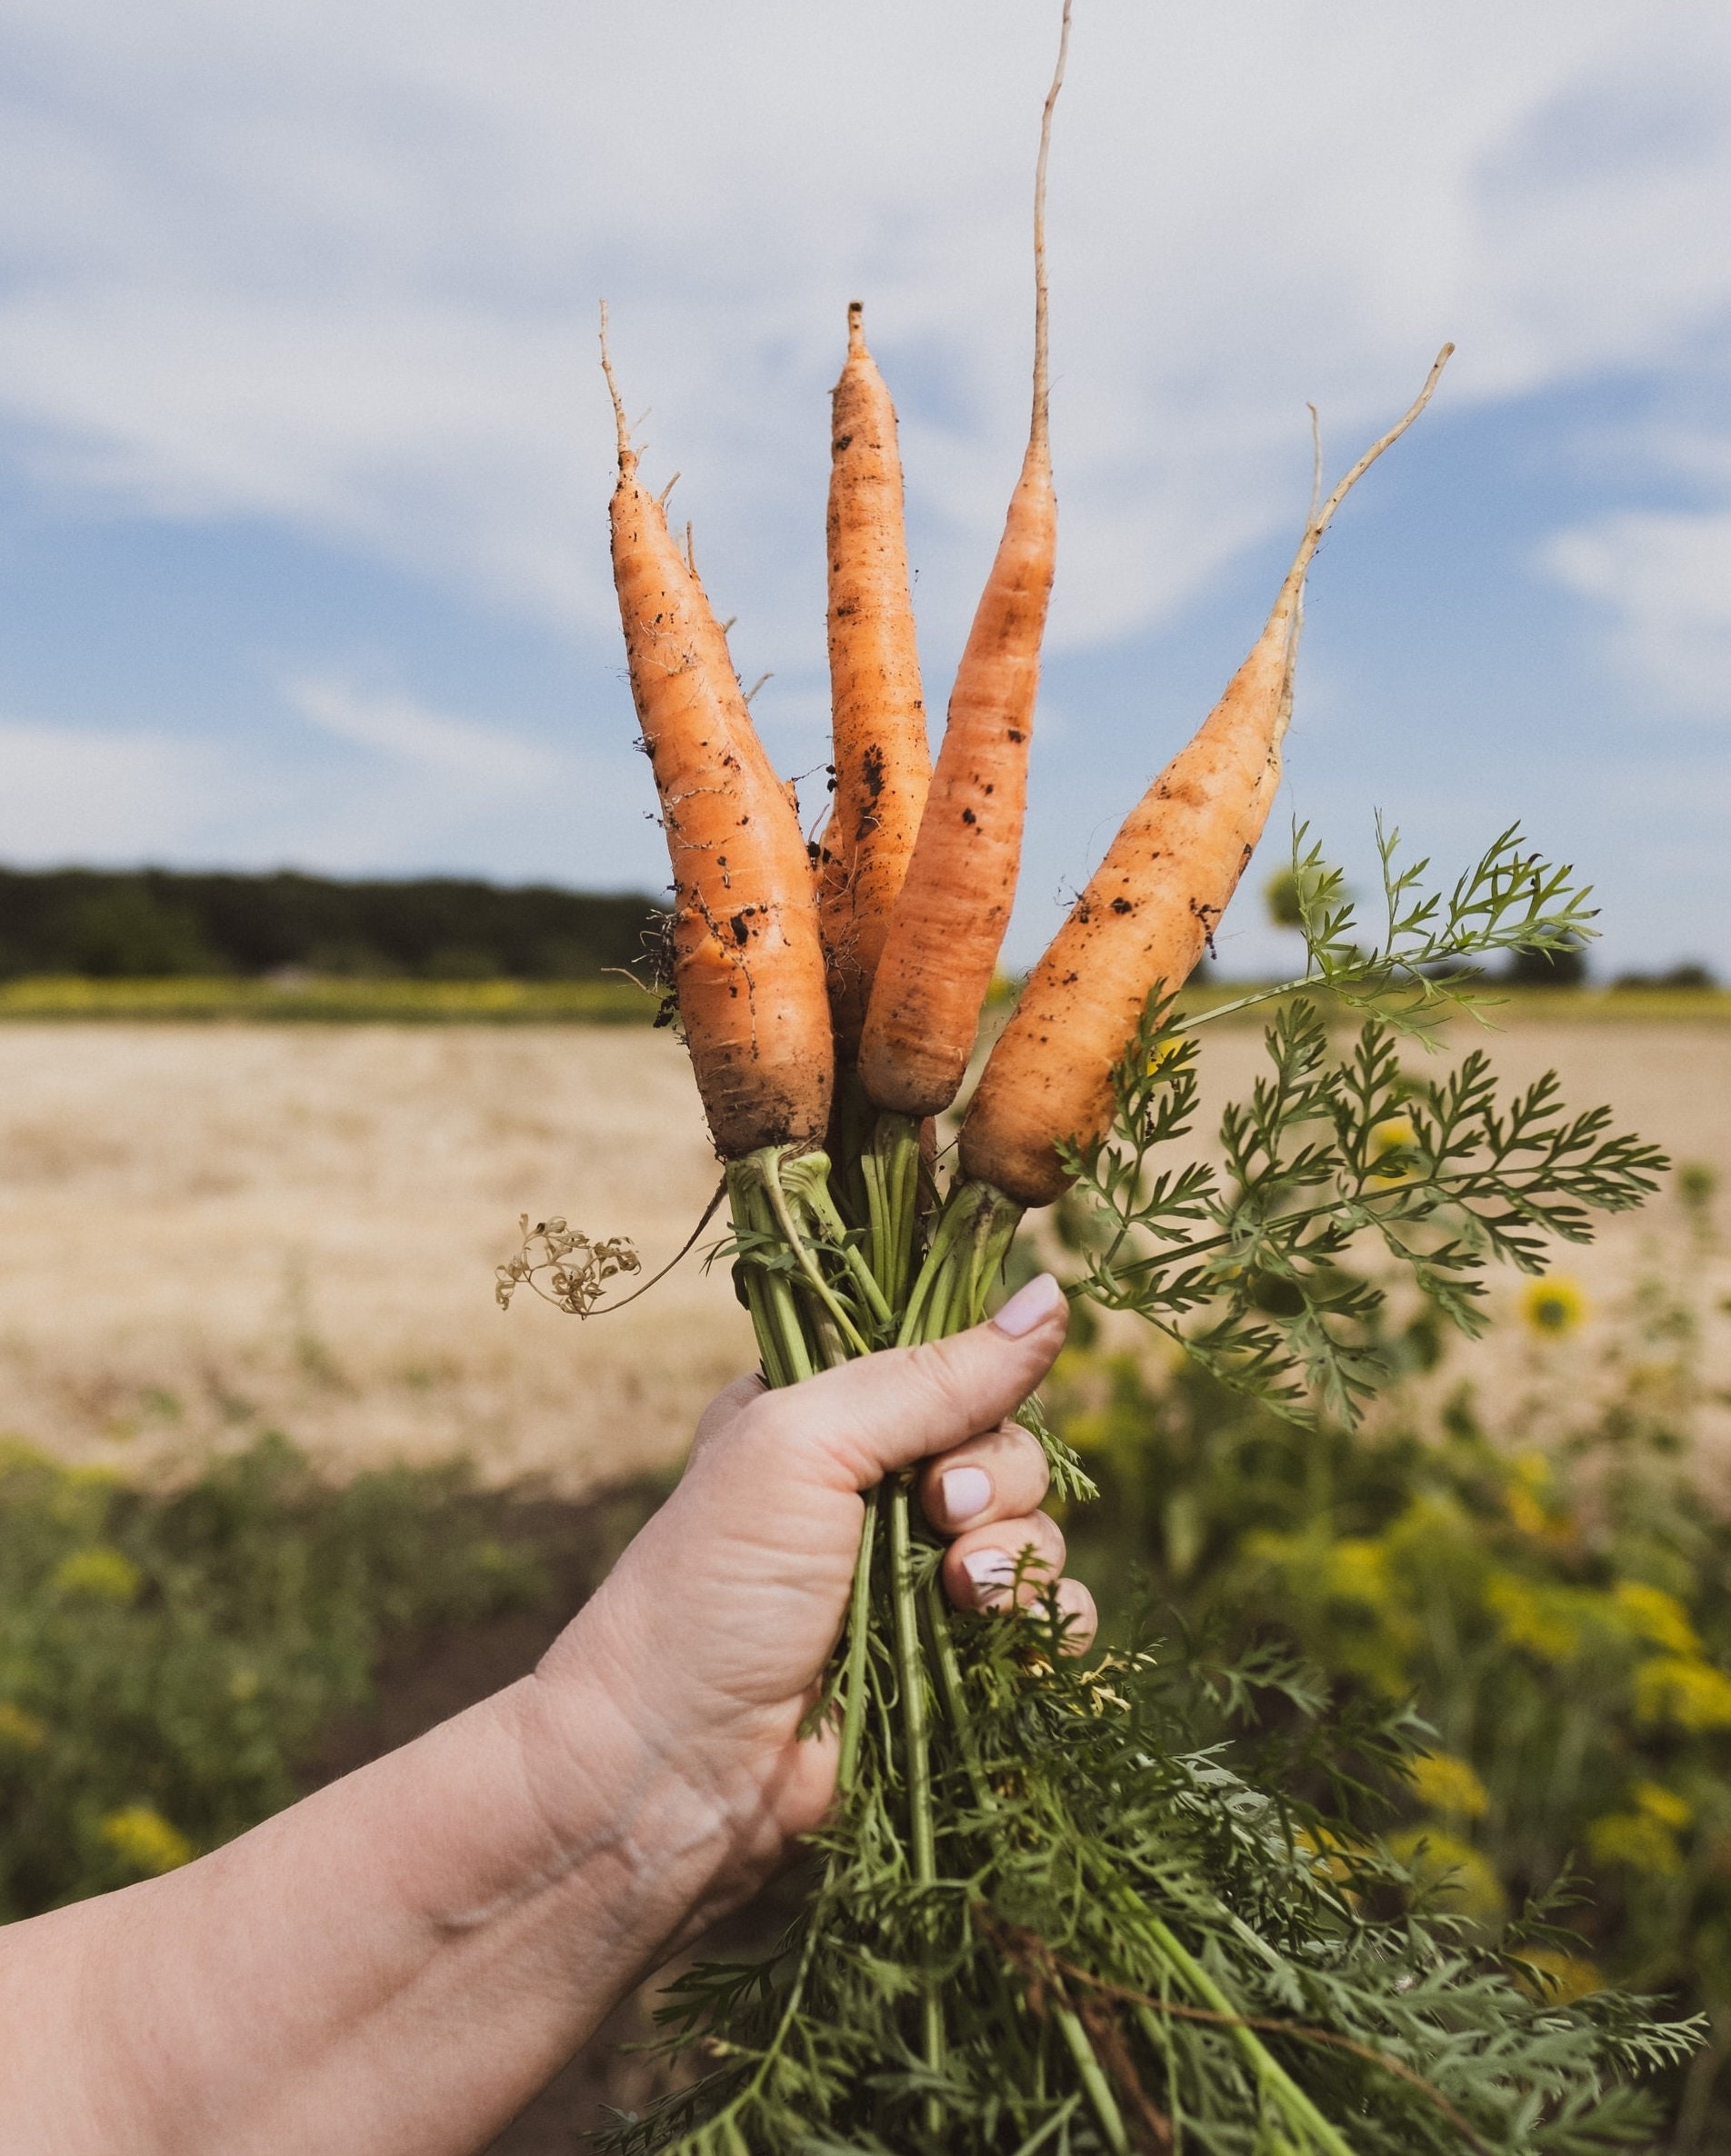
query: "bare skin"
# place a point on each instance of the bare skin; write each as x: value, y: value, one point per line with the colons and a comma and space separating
x: 393, y: 1967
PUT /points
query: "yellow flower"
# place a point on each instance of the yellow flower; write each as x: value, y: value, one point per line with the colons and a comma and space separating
x: 1689, y: 1693
x: 1663, y: 1804
x: 23, y: 1732
x: 1530, y: 1618
x: 1397, y: 1136
x: 1356, y: 1570
x: 1330, y: 1854
x: 1656, y: 1616
x: 97, y: 1574
x: 1452, y: 1867
x: 1164, y: 1052
x: 1552, y: 1307
x: 1448, y: 1785
x: 1637, y: 1839
x: 1561, y: 1978
x: 145, y: 1840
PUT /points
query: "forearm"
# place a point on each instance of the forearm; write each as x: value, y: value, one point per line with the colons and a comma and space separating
x: 396, y: 1964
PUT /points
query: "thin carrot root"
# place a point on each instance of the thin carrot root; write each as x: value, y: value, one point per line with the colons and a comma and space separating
x: 748, y: 962
x: 949, y: 921
x: 1153, y: 905
x: 883, y: 766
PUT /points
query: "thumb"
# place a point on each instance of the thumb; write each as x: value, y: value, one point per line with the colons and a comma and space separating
x: 888, y: 1410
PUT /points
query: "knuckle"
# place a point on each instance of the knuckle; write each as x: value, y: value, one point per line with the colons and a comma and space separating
x: 766, y: 1426
x: 940, y: 1377
x: 1048, y: 1540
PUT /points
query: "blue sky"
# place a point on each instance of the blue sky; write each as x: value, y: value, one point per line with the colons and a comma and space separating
x: 304, y: 456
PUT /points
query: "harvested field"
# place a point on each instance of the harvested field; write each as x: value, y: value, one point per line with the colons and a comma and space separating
x: 204, y: 1230
x: 208, y: 1229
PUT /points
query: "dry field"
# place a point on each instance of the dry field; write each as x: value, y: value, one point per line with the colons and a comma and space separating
x: 204, y: 1230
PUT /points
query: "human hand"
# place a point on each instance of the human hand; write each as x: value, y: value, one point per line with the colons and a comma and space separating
x: 397, y: 1962
x: 713, y: 1630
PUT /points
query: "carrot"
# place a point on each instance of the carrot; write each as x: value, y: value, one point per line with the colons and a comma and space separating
x: 748, y: 964
x: 1150, y: 908
x: 883, y: 767
x: 955, y: 905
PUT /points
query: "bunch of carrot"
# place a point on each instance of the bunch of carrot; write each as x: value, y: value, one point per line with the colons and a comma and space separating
x: 830, y: 994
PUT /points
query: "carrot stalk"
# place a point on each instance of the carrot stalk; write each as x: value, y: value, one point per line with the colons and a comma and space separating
x: 883, y: 766
x: 949, y: 920
x: 1152, y: 905
x: 748, y: 962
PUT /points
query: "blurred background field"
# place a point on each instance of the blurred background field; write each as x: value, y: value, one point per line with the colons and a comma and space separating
x: 281, y: 1485
x: 206, y: 1231
x: 285, y: 1486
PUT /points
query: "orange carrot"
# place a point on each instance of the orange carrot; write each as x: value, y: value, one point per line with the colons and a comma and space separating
x: 748, y: 962
x: 1151, y: 907
x: 955, y: 905
x: 883, y: 767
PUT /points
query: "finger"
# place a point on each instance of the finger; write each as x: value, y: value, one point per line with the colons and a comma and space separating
x: 856, y: 1423
x: 726, y: 1409
x: 981, y: 1567
x: 993, y: 1477
x: 1076, y: 1604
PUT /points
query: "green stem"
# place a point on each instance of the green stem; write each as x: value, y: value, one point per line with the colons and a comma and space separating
x: 922, y: 1828
x: 807, y: 1178
x: 783, y: 1339
x: 859, y: 1619
x: 1288, y: 2098
x: 771, y: 1165
x: 972, y: 1239
x: 949, y: 1685
x: 1099, y: 2090
x: 784, y: 1313
x: 896, y: 1148
x: 768, y: 1344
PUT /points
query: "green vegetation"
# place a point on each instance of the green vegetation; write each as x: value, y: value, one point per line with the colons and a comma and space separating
x: 1558, y: 1609
x: 168, y: 1660
x: 161, y: 924
x: 1557, y: 1606
x: 1148, y: 1903
x: 332, y: 1002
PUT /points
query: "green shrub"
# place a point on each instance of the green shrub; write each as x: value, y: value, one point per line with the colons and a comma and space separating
x: 166, y: 1660
x: 1559, y: 1611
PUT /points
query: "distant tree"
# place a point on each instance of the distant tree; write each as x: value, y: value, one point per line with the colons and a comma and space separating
x: 1690, y: 975
x: 127, y: 930
x: 163, y: 920
x: 1281, y: 894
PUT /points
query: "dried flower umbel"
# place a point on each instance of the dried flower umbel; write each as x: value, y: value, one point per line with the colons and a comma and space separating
x: 564, y: 1266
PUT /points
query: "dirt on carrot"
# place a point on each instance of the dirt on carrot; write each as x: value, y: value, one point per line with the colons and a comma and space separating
x: 747, y: 964
x: 1151, y: 907
x: 955, y: 905
x: 883, y: 766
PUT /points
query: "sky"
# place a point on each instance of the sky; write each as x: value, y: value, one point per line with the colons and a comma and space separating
x: 304, y: 454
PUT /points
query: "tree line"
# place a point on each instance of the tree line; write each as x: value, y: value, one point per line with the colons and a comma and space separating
x: 147, y: 923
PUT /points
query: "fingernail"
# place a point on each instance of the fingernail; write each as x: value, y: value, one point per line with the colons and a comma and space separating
x: 1030, y: 1306
x: 966, y: 1491
x: 993, y: 1574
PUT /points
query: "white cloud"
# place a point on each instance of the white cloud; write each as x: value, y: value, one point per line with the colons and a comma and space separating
x: 432, y: 788
x: 67, y: 794
x: 1663, y: 583
x: 338, y: 265
x: 445, y: 748
x: 376, y: 785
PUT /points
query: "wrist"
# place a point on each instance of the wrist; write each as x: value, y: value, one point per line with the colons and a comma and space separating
x: 658, y: 1825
